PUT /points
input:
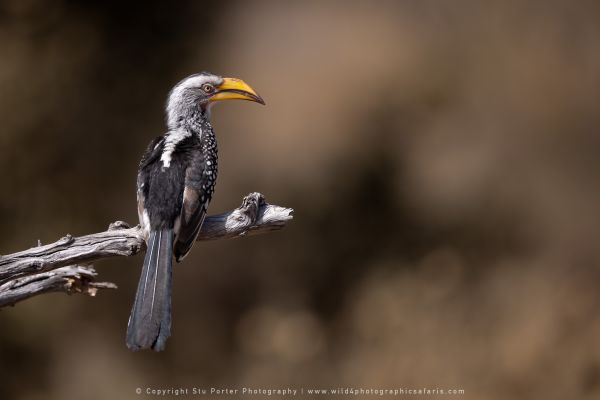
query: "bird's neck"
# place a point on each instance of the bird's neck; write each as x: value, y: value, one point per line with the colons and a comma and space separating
x: 192, y: 119
x: 194, y: 124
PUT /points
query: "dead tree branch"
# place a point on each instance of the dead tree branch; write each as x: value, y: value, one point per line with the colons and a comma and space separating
x: 65, y: 265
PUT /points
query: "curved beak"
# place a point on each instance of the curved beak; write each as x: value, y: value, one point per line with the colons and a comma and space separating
x: 236, y: 89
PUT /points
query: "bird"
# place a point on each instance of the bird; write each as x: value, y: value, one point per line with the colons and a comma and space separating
x: 175, y: 183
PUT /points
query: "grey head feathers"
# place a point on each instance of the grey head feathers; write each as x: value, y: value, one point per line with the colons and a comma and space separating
x: 188, y: 98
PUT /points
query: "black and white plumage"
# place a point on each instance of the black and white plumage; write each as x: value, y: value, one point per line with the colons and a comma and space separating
x: 176, y: 180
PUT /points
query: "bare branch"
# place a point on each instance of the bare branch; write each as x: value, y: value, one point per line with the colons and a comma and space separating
x: 58, y: 266
x: 70, y: 279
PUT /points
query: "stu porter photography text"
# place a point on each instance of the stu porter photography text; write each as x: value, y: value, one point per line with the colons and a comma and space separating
x: 279, y: 392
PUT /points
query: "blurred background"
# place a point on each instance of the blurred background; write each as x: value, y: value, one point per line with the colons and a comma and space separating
x: 441, y: 159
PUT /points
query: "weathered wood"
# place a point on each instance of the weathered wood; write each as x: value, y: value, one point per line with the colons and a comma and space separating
x: 65, y: 264
x: 70, y: 279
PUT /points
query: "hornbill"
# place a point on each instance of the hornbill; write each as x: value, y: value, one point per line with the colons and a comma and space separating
x: 175, y: 183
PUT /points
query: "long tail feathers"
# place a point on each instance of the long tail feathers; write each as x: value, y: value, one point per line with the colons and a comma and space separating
x: 150, y: 321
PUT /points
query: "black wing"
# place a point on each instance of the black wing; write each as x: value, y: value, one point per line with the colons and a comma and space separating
x: 192, y: 217
x: 151, y: 154
x: 196, y: 196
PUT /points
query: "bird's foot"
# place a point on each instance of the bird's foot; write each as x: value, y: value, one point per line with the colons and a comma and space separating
x: 118, y: 225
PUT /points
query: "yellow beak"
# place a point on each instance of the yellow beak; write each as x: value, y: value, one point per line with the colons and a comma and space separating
x: 236, y: 89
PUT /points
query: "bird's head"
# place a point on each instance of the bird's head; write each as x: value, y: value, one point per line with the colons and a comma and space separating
x: 198, y: 92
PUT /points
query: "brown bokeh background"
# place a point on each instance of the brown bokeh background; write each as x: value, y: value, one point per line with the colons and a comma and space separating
x: 441, y: 158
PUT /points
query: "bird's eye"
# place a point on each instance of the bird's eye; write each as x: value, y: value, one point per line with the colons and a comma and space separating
x: 208, y: 88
